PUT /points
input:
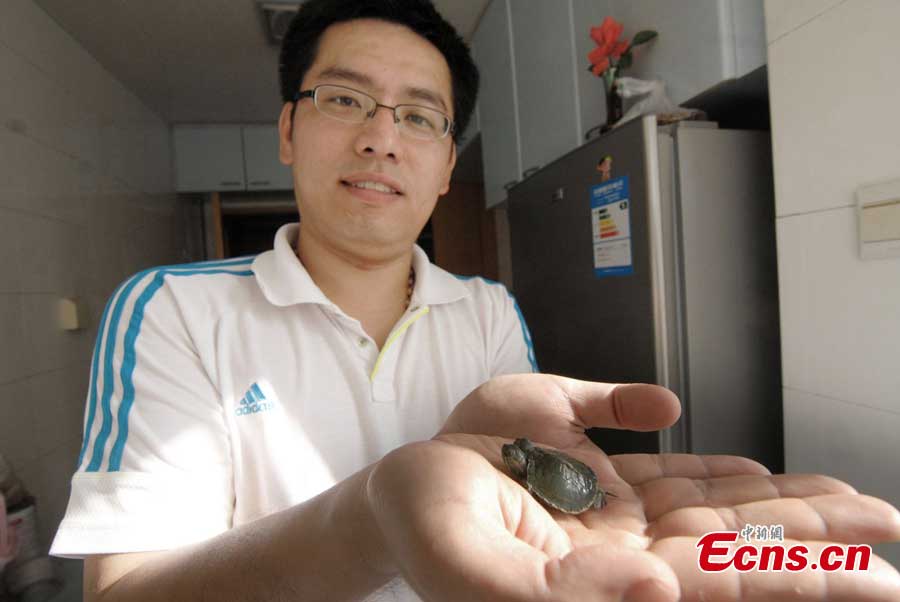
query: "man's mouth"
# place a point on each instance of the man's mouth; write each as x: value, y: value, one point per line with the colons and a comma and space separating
x: 368, y: 185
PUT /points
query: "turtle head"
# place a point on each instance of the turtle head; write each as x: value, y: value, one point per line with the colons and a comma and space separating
x: 515, y: 458
x: 602, y: 498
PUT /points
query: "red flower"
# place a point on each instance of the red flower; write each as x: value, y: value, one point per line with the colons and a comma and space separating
x: 598, y: 68
x: 608, y: 44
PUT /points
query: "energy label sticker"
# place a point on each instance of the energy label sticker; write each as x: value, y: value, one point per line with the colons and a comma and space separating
x: 611, y: 223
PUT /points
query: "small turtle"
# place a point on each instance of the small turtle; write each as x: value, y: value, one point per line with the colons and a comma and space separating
x: 558, y: 480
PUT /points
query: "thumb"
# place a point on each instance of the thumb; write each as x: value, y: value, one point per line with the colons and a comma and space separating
x: 634, y: 407
x: 555, y: 410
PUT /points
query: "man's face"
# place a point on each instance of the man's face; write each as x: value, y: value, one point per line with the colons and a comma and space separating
x: 394, y: 65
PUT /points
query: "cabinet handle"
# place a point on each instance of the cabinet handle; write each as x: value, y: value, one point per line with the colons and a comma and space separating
x: 510, y: 184
x: 558, y: 195
x: 260, y: 183
x: 530, y: 171
x: 229, y: 183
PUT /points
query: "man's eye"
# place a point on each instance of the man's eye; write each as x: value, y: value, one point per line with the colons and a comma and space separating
x: 345, y: 101
x: 420, y: 121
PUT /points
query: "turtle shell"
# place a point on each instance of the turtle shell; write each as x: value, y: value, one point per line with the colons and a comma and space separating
x: 561, y: 481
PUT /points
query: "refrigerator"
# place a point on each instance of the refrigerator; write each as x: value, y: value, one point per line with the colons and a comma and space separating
x: 648, y: 255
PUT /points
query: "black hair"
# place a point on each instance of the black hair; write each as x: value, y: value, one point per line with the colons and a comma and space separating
x: 301, y: 43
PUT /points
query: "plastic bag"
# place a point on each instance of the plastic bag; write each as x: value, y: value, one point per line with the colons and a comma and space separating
x: 652, y: 100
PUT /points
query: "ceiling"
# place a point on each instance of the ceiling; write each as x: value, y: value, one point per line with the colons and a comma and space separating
x: 197, y: 61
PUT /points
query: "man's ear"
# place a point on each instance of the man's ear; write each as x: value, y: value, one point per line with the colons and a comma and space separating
x: 445, y: 188
x: 286, y: 134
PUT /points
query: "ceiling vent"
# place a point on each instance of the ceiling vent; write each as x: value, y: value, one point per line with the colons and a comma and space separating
x: 277, y: 17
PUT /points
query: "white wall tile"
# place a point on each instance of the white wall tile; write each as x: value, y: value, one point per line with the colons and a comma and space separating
x: 17, y: 425
x: 51, y: 486
x: 19, y: 169
x: 783, y: 16
x: 46, y: 255
x: 853, y: 443
x: 12, y: 356
x: 38, y: 179
x: 10, y: 248
x: 44, y: 348
x: 44, y: 111
x: 833, y: 106
x: 58, y: 407
x: 840, y: 318
x: 27, y: 30
x: 85, y: 190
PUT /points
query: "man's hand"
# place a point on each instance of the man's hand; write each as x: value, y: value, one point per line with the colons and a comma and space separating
x: 460, y: 529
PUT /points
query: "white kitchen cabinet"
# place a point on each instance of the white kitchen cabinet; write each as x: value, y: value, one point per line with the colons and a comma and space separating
x: 545, y: 81
x: 701, y: 43
x: 263, y: 168
x: 498, y: 113
x: 209, y: 158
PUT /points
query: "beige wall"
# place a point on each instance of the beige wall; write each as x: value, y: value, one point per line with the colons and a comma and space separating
x: 834, y: 98
x: 86, y: 198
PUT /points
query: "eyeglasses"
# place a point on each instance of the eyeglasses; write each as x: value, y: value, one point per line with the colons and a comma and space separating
x: 353, y: 106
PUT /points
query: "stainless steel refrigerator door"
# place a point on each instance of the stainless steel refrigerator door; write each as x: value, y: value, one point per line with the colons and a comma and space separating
x: 586, y: 327
x: 730, y: 294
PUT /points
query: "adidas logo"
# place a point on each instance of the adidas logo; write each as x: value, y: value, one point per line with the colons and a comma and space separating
x: 253, y: 402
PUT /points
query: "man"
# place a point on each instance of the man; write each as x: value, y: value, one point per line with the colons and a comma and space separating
x: 250, y: 423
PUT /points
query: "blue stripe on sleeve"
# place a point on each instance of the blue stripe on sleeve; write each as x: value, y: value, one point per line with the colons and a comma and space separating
x: 525, y: 333
x: 109, y: 348
x: 95, y: 363
x: 130, y: 356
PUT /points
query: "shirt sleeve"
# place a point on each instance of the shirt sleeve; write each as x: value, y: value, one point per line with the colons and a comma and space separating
x: 514, y: 351
x: 155, y: 469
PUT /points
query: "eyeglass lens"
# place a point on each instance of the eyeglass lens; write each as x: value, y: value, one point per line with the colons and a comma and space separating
x: 353, y: 106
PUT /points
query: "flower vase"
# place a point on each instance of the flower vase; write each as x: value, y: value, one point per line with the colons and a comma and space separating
x: 613, y: 101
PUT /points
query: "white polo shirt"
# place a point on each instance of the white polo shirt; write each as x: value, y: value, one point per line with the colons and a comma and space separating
x: 221, y: 392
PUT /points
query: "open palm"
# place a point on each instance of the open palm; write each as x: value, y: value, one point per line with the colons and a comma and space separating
x: 482, y: 536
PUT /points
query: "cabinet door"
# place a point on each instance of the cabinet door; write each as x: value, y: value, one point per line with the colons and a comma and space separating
x: 701, y: 43
x: 208, y: 158
x: 492, y: 52
x: 264, y: 170
x: 544, y: 57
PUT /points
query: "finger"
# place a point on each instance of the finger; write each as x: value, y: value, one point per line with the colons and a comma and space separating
x: 555, y: 410
x: 667, y: 494
x: 641, y: 468
x: 845, y: 518
x: 880, y: 583
x: 635, y: 407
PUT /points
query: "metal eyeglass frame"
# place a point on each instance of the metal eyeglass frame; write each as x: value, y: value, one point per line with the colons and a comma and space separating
x: 311, y: 93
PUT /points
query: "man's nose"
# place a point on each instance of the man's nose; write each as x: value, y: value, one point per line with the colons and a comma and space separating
x: 379, y: 134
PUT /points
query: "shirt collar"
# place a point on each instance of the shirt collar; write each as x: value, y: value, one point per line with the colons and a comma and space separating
x: 284, y: 281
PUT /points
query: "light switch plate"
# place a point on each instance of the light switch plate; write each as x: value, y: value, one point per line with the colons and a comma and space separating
x: 878, y: 218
